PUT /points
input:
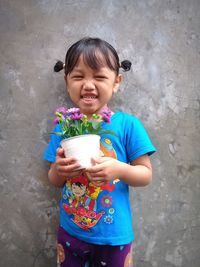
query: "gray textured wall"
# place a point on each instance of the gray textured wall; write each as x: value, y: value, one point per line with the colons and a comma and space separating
x: 162, y: 39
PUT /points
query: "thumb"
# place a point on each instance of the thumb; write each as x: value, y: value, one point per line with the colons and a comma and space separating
x: 60, y: 152
x: 96, y: 161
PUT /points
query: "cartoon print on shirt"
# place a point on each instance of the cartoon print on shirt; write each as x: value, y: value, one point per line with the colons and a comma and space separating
x: 80, y: 196
x: 107, y: 148
x: 78, y: 188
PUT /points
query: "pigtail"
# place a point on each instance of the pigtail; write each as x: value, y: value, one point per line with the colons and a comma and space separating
x: 126, y: 65
x: 59, y: 66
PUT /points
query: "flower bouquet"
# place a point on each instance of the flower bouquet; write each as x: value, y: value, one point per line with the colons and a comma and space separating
x: 80, y: 133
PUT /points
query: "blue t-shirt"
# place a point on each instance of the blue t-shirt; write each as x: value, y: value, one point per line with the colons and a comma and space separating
x: 102, y: 215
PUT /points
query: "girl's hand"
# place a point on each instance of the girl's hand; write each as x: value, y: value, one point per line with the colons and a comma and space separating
x: 66, y: 167
x: 137, y: 173
x: 105, y: 170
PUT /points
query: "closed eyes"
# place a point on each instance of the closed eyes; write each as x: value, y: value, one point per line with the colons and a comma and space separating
x: 97, y: 77
x: 100, y: 77
x: 77, y: 77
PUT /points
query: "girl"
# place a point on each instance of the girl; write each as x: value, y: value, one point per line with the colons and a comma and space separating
x: 95, y: 225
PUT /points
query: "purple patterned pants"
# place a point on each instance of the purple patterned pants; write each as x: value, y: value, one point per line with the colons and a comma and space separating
x: 73, y: 252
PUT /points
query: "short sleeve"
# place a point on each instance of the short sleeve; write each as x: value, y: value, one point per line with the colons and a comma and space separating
x: 138, y: 142
x: 50, y: 151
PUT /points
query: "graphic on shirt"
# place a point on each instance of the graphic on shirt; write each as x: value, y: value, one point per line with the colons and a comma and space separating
x: 80, y: 197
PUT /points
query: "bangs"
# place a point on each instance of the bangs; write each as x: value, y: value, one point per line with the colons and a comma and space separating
x: 97, y: 58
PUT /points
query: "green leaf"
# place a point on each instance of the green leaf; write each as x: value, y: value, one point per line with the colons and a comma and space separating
x: 95, y: 124
x: 57, y: 133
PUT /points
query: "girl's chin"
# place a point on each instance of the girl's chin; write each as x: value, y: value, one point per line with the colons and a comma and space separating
x: 89, y: 110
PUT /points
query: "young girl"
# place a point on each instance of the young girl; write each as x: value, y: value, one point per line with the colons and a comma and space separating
x: 95, y: 215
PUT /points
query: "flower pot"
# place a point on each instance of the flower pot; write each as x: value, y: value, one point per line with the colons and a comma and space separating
x: 83, y: 148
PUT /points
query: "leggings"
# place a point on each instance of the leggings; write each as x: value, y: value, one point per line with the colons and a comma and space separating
x: 73, y: 252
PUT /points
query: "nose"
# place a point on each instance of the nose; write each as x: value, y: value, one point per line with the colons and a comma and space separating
x: 89, y: 85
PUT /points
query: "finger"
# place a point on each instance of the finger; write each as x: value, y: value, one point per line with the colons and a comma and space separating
x: 96, y: 161
x: 96, y: 176
x: 71, y: 160
x: 66, y: 161
x: 68, y: 168
x: 88, y: 175
x: 94, y: 169
x: 100, y: 159
x: 60, y: 152
x: 99, y: 183
x: 91, y: 176
x: 98, y: 179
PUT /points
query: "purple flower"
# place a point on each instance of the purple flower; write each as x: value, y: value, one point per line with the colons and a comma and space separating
x: 72, y: 110
x: 60, y: 114
x: 62, y: 110
x: 56, y: 120
x: 106, y: 119
x: 74, y: 123
x: 76, y: 116
x: 106, y: 115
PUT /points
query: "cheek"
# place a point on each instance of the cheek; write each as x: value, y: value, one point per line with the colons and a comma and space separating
x: 72, y: 92
x: 73, y: 87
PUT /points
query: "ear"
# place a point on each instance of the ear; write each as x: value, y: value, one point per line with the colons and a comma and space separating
x: 118, y: 80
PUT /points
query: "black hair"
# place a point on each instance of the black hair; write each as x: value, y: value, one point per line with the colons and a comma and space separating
x: 96, y: 54
x: 79, y: 184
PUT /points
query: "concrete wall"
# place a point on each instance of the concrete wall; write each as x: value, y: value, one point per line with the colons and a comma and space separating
x: 162, y: 39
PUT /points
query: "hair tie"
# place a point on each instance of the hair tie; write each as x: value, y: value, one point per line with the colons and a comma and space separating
x: 126, y: 65
x: 59, y: 66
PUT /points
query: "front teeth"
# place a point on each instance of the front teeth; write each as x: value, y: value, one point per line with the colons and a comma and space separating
x: 90, y: 97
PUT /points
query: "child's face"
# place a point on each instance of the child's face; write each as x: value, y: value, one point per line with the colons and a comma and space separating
x: 78, y: 191
x: 90, y: 89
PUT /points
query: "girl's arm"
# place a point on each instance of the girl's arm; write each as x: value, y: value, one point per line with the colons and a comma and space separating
x: 137, y: 173
x: 54, y: 178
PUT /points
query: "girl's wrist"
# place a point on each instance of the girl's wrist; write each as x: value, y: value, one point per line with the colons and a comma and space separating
x: 135, y: 175
x: 122, y: 170
x: 54, y: 177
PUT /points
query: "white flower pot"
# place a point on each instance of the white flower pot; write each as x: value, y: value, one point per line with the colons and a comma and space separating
x: 83, y: 148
